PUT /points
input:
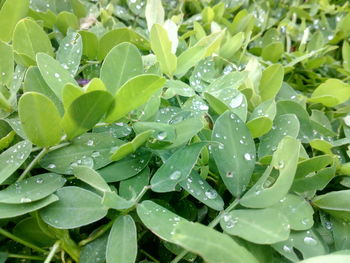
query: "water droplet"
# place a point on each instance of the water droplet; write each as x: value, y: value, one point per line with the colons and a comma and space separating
x: 310, y: 241
x: 57, y: 75
x: 328, y: 225
x: 247, y: 156
x: 175, y: 175
x: 287, y: 249
x: 89, y: 162
x: 90, y: 143
x: 39, y: 180
x: 25, y: 200
x: 51, y: 166
x: 211, y: 194
x: 237, y: 101
x: 280, y: 164
x: 229, y: 174
x: 161, y: 135
x: 305, y: 221
x: 221, y: 146
x: 95, y: 154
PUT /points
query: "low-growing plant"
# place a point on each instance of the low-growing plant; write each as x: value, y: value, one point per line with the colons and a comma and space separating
x: 174, y: 131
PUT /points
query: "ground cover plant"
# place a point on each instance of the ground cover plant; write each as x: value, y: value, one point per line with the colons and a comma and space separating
x: 174, y: 131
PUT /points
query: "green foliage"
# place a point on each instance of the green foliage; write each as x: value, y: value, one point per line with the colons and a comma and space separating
x: 174, y: 131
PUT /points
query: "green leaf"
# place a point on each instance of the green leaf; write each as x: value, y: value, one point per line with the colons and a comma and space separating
x: 327, y: 259
x: 298, y: 211
x: 283, y: 125
x: 91, y: 177
x: 122, y: 63
x: 114, y: 201
x: 33, y: 81
x: 260, y: 226
x: 70, y: 93
x: 177, y: 168
x: 32, y: 189
x: 14, y: 210
x: 117, y: 36
x: 65, y: 20
x: 90, y: 44
x: 37, y: 114
x: 11, y: 12
x: 95, y: 251
x: 283, y: 165
x: 203, y: 48
x: 154, y: 13
x: 131, y: 187
x: 28, y: 40
x: 312, y: 174
x: 127, y: 167
x: 231, y: 45
x: 122, y: 241
x: 140, y: 89
x: 235, y: 154
x: 260, y: 121
x: 346, y: 55
x: 271, y: 82
x: 161, y: 46
x: 76, y: 207
x: 202, y: 191
x: 70, y: 51
x: 85, y: 111
x: 331, y: 93
x: 336, y: 203
x: 54, y: 74
x: 90, y: 149
x: 131, y: 146
x: 7, y: 63
x: 210, y: 244
x: 272, y: 52
x: 13, y: 158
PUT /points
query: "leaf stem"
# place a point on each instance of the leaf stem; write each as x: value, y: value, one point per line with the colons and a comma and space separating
x: 33, y: 163
x: 97, y: 234
x: 25, y: 257
x: 149, y: 256
x: 212, y: 224
x: 53, y: 251
x: 21, y: 241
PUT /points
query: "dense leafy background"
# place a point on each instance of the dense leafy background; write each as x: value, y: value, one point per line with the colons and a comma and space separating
x: 174, y: 131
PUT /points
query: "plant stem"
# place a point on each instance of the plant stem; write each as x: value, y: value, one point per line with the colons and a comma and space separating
x: 97, y: 234
x: 53, y: 251
x: 149, y: 256
x: 21, y: 241
x: 33, y: 163
x: 25, y: 257
x: 212, y: 224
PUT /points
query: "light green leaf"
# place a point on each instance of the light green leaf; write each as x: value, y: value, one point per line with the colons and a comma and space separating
x: 140, y: 89
x: 271, y: 81
x: 283, y: 166
x: 120, y: 35
x: 33, y: 81
x: 259, y: 226
x: 272, y: 52
x: 91, y: 177
x: 90, y: 44
x: 235, y: 153
x: 114, y: 201
x: 122, y: 241
x: 260, y: 121
x: 13, y: 158
x: 65, y: 20
x: 177, y: 168
x: 298, y: 211
x: 161, y: 46
x: 70, y: 51
x: 283, y: 125
x: 85, y: 111
x: 90, y: 149
x: 154, y: 13
x: 331, y: 93
x: 54, y: 74
x: 121, y: 63
x: 202, y: 191
x: 131, y: 146
x: 40, y: 119
x: 14, y: 210
x: 76, y: 207
x: 28, y: 40
x: 210, y: 244
x: 336, y: 203
x: 32, y: 189
x: 70, y: 93
x: 7, y: 63
x: 327, y: 259
x: 11, y: 12
x: 346, y: 55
